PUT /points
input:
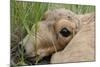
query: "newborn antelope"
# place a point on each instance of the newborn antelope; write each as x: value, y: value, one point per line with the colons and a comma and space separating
x: 63, y: 33
x: 55, y: 30
x: 82, y: 46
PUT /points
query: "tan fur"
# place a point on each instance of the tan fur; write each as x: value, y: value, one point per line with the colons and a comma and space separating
x: 82, y: 46
x: 48, y: 39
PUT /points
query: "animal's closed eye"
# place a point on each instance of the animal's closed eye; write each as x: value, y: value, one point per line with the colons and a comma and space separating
x: 65, y: 32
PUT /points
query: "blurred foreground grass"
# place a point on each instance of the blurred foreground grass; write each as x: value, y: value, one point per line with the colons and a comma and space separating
x: 24, y: 15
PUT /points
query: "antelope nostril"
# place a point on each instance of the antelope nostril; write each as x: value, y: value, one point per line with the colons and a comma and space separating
x: 24, y: 50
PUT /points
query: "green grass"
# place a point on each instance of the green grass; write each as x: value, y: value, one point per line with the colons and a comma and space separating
x: 25, y: 15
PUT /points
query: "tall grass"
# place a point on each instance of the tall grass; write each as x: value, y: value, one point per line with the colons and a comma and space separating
x: 25, y: 15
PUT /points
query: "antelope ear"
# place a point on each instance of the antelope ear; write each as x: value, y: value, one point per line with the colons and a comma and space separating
x: 86, y: 18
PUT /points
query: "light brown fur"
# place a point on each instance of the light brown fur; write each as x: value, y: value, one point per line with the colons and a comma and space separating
x: 82, y: 46
x: 49, y: 40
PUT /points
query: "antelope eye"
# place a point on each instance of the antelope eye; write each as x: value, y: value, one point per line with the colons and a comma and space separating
x: 65, y: 32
